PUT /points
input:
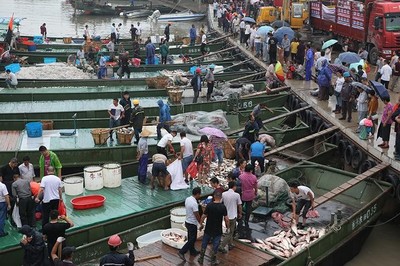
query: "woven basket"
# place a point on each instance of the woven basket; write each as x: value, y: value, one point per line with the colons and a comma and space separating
x: 160, y: 82
x: 175, y: 96
x: 124, y: 138
x: 100, y: 135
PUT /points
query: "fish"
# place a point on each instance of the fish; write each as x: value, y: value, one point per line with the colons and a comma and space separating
x: 294, y: 229
x: 260, y: 241
x: 301, y: 232
x: 175, y: 237
x: 308, y: 238
x: 321, y: 232
x: 244, y: 240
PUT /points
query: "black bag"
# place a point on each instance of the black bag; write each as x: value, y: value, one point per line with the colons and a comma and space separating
x: 199, y: 159
x: 331, y: 90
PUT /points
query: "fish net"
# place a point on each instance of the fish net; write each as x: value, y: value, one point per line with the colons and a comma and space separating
x: 278, y: 192
x: 193, y: 121
x: 227, y: 89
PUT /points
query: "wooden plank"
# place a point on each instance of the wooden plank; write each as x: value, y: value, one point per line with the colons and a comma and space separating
x: 318, y: 134
x: 9, y: 140
x: 349, y: 184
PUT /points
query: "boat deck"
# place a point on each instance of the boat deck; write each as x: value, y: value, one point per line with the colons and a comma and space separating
x: 73, y: 90
x: 82, y: 140
x: 128, y: 199
x: 68, y: 105
x: 9, y: 140
x: 240, y: 255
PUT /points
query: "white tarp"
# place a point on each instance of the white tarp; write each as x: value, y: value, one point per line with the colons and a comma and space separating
x: 175, y: 169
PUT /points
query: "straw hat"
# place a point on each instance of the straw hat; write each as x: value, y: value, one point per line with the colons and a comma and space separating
x: 145, y: 133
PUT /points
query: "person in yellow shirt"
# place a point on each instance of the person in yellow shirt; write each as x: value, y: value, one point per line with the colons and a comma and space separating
x: 293, y: 48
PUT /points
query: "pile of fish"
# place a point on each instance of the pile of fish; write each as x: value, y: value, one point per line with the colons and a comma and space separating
x: 225, y: 90
x: 175, y: 237
x: 288, y: 243
x: 125, y: 130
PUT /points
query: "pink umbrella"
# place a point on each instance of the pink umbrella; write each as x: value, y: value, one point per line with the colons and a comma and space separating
x: 213, y: 132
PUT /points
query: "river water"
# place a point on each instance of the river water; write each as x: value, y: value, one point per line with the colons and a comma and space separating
x: 61, y: 21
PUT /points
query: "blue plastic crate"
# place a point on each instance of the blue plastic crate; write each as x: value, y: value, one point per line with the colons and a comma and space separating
x: 34, y: 129
x: 49, y: 60
x: 14, y: 68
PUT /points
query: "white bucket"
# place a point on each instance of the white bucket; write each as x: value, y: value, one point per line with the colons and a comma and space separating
x: 178, y: 217
x: 93, y: 177
x: 73, y: 185
x: 112, y: 175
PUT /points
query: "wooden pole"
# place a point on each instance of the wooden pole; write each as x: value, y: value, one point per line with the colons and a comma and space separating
x: 248, y: 76
x: 220, y: 38
x: 237, y: 64
x: 147, y: 258
x: 210, y: 54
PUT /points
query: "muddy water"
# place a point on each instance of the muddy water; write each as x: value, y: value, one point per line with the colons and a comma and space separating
x: 61, y: 21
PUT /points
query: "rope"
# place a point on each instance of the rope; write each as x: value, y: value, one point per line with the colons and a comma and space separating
x: 391, y: 219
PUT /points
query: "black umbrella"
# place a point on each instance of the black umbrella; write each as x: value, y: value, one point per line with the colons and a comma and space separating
x: 380, y: 89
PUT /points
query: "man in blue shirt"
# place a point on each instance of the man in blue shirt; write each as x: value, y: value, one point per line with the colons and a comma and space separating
x: 196, y: 84
x: 257, y: 154
x: 164, y: 118
x: 193, y: 35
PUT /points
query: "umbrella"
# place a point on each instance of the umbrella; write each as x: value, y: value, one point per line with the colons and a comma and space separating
x: 278, y: 34
x: 380, y: 89
x: 249, y: 20
x: 213, y: 132
x: 349, y: 57
x: 338, y: 68
x: 328, y: 43
x: 360, y: 85
x: 355, y: 65
x: 279, y: 72
x: 264, y: 30
x: 279, y: 23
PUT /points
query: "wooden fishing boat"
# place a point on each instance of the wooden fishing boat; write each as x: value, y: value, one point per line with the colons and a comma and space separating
x: 93, y: 114
x: 61, y: 55
x: 139, y: 81
x: 181, y: 16
x: 92, y: 7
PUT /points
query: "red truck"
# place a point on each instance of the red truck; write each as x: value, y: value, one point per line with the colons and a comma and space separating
x: 372, y: 24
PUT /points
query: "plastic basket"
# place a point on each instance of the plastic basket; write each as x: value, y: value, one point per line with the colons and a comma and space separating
x: 49, y: 60
x: 34, y: 129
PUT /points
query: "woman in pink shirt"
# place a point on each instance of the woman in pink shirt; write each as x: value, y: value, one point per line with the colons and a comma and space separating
x: 249, y: 190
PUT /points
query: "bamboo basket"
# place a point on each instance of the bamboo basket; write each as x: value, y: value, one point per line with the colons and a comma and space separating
x: 175, y: 96
x: 47, y: 124
x: 186, y: 40
x: 67, y: 40
x: 229, y: 153
x: 160, y: 82
x: 100, y: 135
x: 125, y: 137
x: 169, y: 88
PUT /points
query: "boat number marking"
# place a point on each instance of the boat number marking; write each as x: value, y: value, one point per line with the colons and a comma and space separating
x: 246, y: 105
x: 194, y: 50
x: 358, y: 221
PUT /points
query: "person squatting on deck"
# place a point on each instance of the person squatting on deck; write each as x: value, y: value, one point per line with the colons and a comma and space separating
x: 11, y: 80
x: 34, y: 247
x: 143, y: 155
x: 160, y: 172
x: 191, y: 222
x: 116, y: 258
x: 50, y: 194
x: 116, y: 112
x: 302, y: 198
x: 214, y: 212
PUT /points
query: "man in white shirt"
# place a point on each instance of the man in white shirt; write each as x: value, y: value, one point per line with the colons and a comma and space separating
x: 386, y: 73
x: 165, y: 141
x: 51, y: 190
x: 242, y: 27
x: 191, y: 222
x: 233, y: 205
x: 138, y: 31
x: 11, y: 79
x: 305, y: 201
x: 5, y: 205
x: 26, y: 169
x: 186, y: 154
x: 80, y: 55
x: 116, y: 112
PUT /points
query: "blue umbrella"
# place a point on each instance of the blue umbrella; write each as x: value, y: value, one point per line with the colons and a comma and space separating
x: 328, y: 43
x: 279, y: 33
x: 249, y: 20
x: 349, y: 57
x: 264, y: 30
x: 279, y: 23
x: 380, y: 89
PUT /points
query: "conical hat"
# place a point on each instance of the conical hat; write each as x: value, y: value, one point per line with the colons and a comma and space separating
x: 145, y: 133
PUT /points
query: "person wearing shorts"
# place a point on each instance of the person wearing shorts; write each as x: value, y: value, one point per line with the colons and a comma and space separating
x: 160, y: 172
x: 305, y: 201
x: 186, y: 154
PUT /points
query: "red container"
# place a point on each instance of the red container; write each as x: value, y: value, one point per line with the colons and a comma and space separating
x: 88, y: 202
x: 28, y: 43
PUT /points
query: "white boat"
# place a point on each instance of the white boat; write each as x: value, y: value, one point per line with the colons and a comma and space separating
x: 135, y: 14
x: 182, y: 16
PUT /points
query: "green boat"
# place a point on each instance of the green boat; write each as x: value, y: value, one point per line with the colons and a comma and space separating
x: 61, y: 55
x: 86, y: 93
x: 138, y: 80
